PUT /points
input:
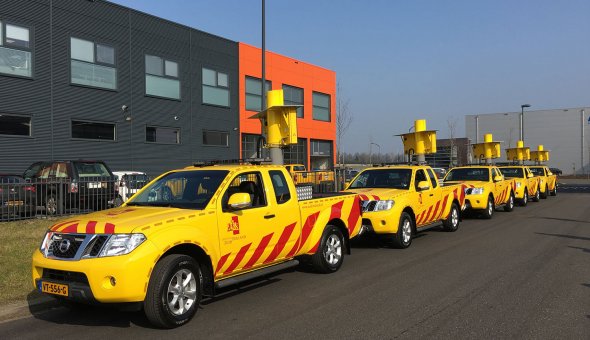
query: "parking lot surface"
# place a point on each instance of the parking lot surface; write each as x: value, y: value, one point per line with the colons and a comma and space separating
x: 523, y: 274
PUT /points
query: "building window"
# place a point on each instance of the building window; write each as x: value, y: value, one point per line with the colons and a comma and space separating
x: 216, y: 138
x: 163, y: 135
x: 249, y: 147
x: 321, y: 155
x: 15, y: 50
x: 215, y: 88
x: 93, y: 130
x: 161, y: 77
x: 15, y: 125
x: 293, y: 96
x: 92, y: 64
x: 321, y: 106
x: 296, y: 154
x: 254, y: 94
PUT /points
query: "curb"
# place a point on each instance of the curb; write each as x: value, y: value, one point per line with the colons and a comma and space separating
x: 19, y: 310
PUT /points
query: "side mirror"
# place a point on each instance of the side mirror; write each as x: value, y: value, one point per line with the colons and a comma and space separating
x: 423, y: 185
x: 240, y: 200
x: 498, y: 178
x: 549, y: 173
x: 530, y: 176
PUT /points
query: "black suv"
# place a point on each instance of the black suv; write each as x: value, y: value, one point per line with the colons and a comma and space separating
x: 76, y: 184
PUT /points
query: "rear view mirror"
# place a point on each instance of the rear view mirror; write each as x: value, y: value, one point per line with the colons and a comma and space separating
x: 423, y: 185
x: 240, y: 200
x: 498, y: 178
x: 530, y: 175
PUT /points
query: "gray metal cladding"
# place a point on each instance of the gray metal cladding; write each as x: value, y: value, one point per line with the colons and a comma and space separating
x: 50, y: 94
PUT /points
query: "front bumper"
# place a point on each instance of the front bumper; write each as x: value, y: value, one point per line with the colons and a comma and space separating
x: 91, y: 280
x: 476, y: 202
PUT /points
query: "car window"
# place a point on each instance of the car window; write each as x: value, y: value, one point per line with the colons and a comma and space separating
x: 468, y: 174
x: 279, y: 184
x: 420, y: 176
x: 433, y: 179
x: 383, y: 178
x: 60, y: 170
x: 512, y: 172
x: 250, y: 183
x: 92, y: 169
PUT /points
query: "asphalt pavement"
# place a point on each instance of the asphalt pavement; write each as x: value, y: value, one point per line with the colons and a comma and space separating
x: 524, y: 274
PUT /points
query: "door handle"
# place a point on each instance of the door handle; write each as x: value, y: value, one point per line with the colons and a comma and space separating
x: 269, y: 216
x: 431, y: 195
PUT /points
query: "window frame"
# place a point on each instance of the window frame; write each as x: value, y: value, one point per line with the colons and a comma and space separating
x: 246, y: 93
x: 178, y: 137
x: 302, y: 99
x: 215, y: 145
x: 94, y: 49
x: 164, y: 76
x: 313, y: 106
x: 23, y: 116
x: 30, y: 49
x: 114, y: 140
x: 228, y: 87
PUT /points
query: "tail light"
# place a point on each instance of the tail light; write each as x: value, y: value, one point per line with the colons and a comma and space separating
x: 30, y: 188
x: 73, y: 187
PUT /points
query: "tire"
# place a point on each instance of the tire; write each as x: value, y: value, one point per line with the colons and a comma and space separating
x: 451, y: 224
x: 537, y: 196
x: 164, y: 288
x: 546, y: 194
x: 403, y: 237
x: 51, y: 205
x: 117, y: 201
x: 525, y: 199
x: 489, y: 211
x: 330, y: 254
x: 510, y: 204
x: 554, y: 191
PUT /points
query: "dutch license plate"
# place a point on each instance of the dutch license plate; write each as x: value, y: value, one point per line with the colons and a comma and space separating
x: 54, y: 288
x: 14, y: 203
x: 96, y: 185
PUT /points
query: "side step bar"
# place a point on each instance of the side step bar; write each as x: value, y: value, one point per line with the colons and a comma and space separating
x: 257, y: 273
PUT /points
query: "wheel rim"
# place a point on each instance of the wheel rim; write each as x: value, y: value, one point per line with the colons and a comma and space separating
x: 406, y: 231
x: 511, y: 202
x: 454, y: 217
x: 182, y: 292
x: 526, y: 197
x: 51, y: 206
x: 490, y: 208
x: 333, y: 252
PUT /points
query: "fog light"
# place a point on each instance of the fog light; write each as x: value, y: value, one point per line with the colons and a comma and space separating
x: 382, y: 222
x: 113, y: 281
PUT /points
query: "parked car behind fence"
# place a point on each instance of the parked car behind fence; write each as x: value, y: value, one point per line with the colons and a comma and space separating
x: 18, y: 199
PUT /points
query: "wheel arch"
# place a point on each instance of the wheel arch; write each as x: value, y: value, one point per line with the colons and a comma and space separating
x: 338, y: 223
x: 202, y: 258
x: 410, y: 211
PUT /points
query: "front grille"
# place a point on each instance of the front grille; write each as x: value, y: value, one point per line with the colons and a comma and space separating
x: 61, y: 275
x: 65, y: 246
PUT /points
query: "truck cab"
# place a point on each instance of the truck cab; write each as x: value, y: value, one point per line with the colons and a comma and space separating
x: 486, y: 189
x: 547, y: 180
x: 526, y: 185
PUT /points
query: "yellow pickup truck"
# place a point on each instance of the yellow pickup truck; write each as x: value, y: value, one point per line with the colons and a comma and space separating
x: 486, y: 188
x: 526, y: 184
x: 399, y: 201
x: 190, y: 232
x: 547, y: 180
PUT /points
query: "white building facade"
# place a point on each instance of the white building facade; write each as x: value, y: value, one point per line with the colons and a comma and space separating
x: 565, y: 132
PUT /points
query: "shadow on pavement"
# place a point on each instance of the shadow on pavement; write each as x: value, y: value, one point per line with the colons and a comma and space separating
x: 559, y: 219
x: 586, y: 250
x: 566, y: 236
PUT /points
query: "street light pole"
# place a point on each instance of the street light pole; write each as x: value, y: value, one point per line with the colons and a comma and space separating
x: 522, y: 120
x: 379, y: 146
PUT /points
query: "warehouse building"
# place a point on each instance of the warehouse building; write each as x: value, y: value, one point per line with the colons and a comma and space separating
x: 563, y: 131
x: 96, y: 80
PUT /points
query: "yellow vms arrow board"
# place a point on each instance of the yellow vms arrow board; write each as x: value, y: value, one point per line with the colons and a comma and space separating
x: 540, y: 155
x: 279, y: 121
x: 518, y: 154
x: 421, y: 141
x: 487, y: 150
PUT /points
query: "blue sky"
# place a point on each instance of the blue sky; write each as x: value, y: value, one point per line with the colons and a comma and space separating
x: 401, y: 60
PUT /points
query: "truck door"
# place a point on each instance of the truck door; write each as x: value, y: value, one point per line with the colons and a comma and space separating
x: 426, y: 199
x: 499, y: 187
x: 436, y: 196
x: 245, y: 234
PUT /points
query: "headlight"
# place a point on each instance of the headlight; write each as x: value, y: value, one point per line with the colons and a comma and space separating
x: 121, y: 244
x: 383, y: 205
x: 473, y: 191
x: 46, y: 244
x: 518, y: 185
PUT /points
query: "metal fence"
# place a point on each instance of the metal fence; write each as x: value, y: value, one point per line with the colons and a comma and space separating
x: 38, y: 198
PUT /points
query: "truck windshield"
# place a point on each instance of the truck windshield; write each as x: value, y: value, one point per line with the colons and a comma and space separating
x: 537, y: 171
x: 468, y: 174
x: 383, y: 178
x: 512, y: 172
x: 182, y: 189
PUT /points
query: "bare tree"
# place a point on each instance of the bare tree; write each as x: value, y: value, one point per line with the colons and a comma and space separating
x: 344, y: 118
x: 452, y: 125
